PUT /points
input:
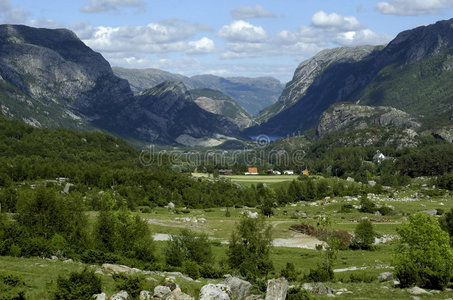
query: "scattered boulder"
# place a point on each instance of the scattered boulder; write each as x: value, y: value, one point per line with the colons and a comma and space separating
x: 350, y: 179
x: 119, y: 269
x: 418, y: 291
x: 170, y: 205
x: 161, y: 290
x: 255, y: 297
x: 177, y: 294
x: 431, y: 212
x: 145, y: 295
x: 101, y: 296
x: 67, y: 261
x: 122, y: 295
x: 385, y: 276
x: 277, y: 289
x: 239, y: 288
x: 320, y: 288
x: 371, y: 183
x: 215, y: 292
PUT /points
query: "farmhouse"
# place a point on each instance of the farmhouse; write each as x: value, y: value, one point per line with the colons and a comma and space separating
x: 378, y: 157
x: 252, y: 171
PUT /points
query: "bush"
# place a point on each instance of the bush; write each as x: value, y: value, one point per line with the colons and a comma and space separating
x: 322, y: 273
x: 289, y: 272
x: 191, y: 268
x: 424, y: 256
x: 188, y: 245
x: 367, y: 206
x: 209, y: 271
x: 298, y: 294
x: 132, y: 284
x: 11, y: 287
x: 81, y: 285
x: 385, y: 211
x: 364, y: 235
x: 358, y: 278
x: 346, y: 208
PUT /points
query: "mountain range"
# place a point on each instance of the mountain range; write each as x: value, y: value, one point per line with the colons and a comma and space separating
x: 50, y: 78
x: 252, y: 94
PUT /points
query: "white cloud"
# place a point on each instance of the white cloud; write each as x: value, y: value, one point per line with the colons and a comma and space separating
x: 96, y: 6
x: 202, y: 46
x: 242, y: 31
x: 413, y: 7
x: 12, y: 15
x: 248, y: 12
x: 46, y: 23
x: 163, y: 37
x: 336, y: 21
x: 361, y: 37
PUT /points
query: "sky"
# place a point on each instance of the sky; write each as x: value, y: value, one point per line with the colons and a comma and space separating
x: 225, y: 37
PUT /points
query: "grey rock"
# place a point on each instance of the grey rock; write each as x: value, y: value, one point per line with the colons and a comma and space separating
x: 254, y: 297
x: 239, y: 288
x: 371, y: 183
x: 321, y: 288
x: 431, y: 212
x: 145, y: 295
x: 417, y: 291
x: 277, y: 289
x: 101, y: 296
x: 122, y: 295
x: 385, y: 276
x: 177, y: 294
x: 215, y: 292
x: 161, y: 290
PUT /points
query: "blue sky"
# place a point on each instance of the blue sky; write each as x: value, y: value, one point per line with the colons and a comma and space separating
x: 226, y: 38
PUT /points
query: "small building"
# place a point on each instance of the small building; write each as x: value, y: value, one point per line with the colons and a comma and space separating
x: 305, y: 172
x: 275, y: 172
x: 288, y: 172
x: 378, y: 157
x: 252, y: 171
x: 225, y: 172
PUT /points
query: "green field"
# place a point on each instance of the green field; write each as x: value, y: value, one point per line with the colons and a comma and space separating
x: 248, y: 180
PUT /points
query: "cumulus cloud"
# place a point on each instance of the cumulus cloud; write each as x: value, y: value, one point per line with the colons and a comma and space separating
x: 413, y: 7
x: 242, y: 31
x: 248, y: 12
x: 334, y: 20
x: 202, y: 46
x: 97, y: 6
x: 12, y: 15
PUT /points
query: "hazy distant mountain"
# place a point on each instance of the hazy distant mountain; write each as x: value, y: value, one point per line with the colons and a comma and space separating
x: 252, y: 94
x: 413, y: 73
x: 49, y: 78
x: 221, y: 104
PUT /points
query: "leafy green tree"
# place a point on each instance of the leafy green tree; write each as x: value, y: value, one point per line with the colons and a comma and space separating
x: 188, y: 246
x: 424, y: 256
x: 366, y: 205
x: 364, y: 235
x: 79, y: 285
x: 446, y: 223
x: 249, y: 248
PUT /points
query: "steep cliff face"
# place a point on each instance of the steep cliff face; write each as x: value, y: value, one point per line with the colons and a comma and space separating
x: 55, y: 68
x: 412, y: 73
x: 217, y: 103
x: 346, y: 116
x: 309, y: 70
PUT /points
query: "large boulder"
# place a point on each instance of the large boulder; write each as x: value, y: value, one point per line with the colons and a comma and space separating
x: 215, y: 292
x: 320, y: 288
x: 122, y: 295
x: 277, y: 289
x: 254, y: 297
x: 146, y: 295
x: 239, y: 288
x: 119, y: 269
x: 385, y: 276
x: 417, y: 291
x: 177, y: 294
x: 101, y: 296
x: 161, y: 290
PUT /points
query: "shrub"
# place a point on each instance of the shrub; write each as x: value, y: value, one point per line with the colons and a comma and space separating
x: 367, y: 206
x: 188, y: 245
x: 132, y: 284
x: 209, y: 271
x: 81, y: 285
x: 191, y: 268
x: 298, y: 294
x: 346, y: 208
x: 11, y: 287
x: 289, y: 272
x: 364, y: 235
x: 424, y: 256
x: 322, y: 273
x: 385, y: 211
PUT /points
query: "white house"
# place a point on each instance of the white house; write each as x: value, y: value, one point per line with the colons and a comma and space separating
x: 288, y: 172
x: 378, y: 157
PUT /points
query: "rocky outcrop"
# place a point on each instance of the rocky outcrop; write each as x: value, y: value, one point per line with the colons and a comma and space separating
x: 276, y: 289
x: 122, y: 295
x: 215, y: 292
x: 177, y: 294
x: 239, y: 288
x: 352, y: 116
x: 309, y: 70
x: 444, y: 133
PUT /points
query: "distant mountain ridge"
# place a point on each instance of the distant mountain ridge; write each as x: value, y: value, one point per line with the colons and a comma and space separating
x: 412, y: 73
x: 252, y: 94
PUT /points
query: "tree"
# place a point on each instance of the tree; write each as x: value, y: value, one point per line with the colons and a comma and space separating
x: 188, y: 246
x: 364, y: 235
x: 446, y: 223
x: 424, y: 256
x: 81, y: 285
x: 367, y: 206
x: 249, y: 248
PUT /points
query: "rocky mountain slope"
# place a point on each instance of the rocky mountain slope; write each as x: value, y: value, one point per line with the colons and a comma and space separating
x: 217, y: 103
x: 252, y: 94
x: 345, y: 116
x: 308, y: 71
x: 412, y: 73
x: 49, y: 78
